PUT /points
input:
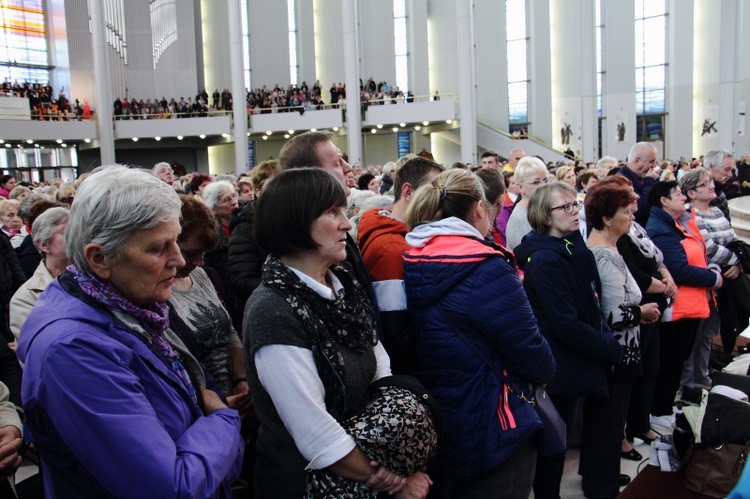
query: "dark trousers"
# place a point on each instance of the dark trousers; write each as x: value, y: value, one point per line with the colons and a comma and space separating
x: 603, y: 421
x: 675, y: 344
x: 512, y: 479
x: 638, y: 422
x: 549, y: 469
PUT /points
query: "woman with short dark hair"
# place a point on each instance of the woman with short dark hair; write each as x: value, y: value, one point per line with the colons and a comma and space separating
x: 311, y: 343
x: 674, y: 230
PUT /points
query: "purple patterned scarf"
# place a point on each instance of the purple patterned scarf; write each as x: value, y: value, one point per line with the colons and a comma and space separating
x: 153, y: 317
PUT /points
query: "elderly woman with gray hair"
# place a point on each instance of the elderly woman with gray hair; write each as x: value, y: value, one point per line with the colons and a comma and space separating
x: 699, y: 187
x: 114, y: 401
x: 221, y: 198
x: 47, y: 233
x: 530, y: 173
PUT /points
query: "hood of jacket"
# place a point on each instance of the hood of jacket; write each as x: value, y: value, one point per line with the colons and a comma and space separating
x: 243, y: 215
x: 442, y: 254
x: 566, y: 246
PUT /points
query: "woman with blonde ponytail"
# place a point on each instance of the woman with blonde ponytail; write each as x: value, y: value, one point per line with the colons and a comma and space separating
x: 464, y: 298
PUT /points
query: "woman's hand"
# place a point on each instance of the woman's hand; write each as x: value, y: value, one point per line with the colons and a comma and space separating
x: 384, y: 480
x: 667, y: 279
x: 211, y: 401
x: 417, y: 486
x: 649, y: 313
x: 10, y: 444
x: 733, y: 272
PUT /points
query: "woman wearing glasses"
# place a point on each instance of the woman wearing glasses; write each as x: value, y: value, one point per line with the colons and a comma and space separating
x: 718, y: 233
x: 674, y: 231
x: 609, y: 211
x: 563, y: 286
x: 530, y: 173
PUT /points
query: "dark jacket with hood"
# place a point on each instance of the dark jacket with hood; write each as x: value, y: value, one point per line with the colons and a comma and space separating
x: 457, y: 282
x: 563, y: 285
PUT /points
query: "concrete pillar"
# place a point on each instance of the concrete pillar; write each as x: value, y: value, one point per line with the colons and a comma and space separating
x: 105, y: 127
x: 467, y: 81
x: 238, y: 87
x: 351, y: 70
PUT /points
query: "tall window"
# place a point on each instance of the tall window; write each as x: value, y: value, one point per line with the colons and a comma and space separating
x: 401, y: 42
x: 650, y: 67
x: 518, y: 75
x: 293, y: 64
x: 246, y: 68
x: 23, y: 41
x: 599, y: 58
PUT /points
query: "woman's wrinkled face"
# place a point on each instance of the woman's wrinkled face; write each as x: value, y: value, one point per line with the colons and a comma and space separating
x: 532, y: 182
x: 225, y: 204
x: 329, y: 233
x: 55, y: 247
x: 374, y: 186
x: 10, y: 218
x: 675, y: 203
x: 145, y: 270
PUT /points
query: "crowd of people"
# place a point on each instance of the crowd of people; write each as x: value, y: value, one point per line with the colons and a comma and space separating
x: 253, y: 332
x: 42, y: 103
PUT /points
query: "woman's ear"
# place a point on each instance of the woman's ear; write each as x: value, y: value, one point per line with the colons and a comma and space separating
x: 100, y: 264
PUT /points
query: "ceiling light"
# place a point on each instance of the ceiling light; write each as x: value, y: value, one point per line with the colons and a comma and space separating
x: 417, y: 127
x: 135, y: 139
x: 425, y: 123
x: 449, y: 121
x: 395, y: 129
x: 313, y: 129
x: 203, y: 136
x: 157, y: 139
x: 402, y: 125
x: 286, y: 135
x: 59, y: 141
x: 225, y: 135
x: 88, y: 141
x: 179, y: 137
x: 291, y: 132
x: 2, y: 141
x: 7, y: 145
x: 335, y: 129
x: 36, y: 145
x: 269, y: 132
x: 380, y: 126
x: 248, y: 134
x: 29, y: 141
x: 265, y: 137
x: 373, y: 130
x: 64, y: 145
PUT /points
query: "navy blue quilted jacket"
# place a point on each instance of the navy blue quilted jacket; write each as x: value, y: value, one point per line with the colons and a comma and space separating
x: 455, y: 280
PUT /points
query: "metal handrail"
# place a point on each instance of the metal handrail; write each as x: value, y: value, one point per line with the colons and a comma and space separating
x: 531, y: 138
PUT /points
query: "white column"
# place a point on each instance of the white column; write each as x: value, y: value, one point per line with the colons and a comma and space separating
x: 238, y: 87
x: 351, y: 70
x: 466, y: 81
x: 539, y: 28
x: 103, y: 87
x: 678, y: 133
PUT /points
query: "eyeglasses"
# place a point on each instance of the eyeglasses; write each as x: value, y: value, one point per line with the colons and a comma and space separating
x: 569, y: 208
x: 537, y: 182
x: 709, y: 183
x: 228, y: 199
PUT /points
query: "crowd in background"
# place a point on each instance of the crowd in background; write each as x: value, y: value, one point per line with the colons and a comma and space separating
x: 569, y: 275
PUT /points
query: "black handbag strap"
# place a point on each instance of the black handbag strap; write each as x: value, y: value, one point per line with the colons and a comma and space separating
x: 482, y: 356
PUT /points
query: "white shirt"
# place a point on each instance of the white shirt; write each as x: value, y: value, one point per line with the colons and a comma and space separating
x: 289, y: 375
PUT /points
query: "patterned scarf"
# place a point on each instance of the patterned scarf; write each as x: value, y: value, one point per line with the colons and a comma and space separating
x: 348, y: 320
x: 153, y: 317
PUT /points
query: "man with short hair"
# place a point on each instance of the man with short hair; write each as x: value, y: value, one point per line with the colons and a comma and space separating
x: 642, y: 173
x: 489, y: 160
x: 316, y: 149
x: 164, y: 172
x: 719, y: 164
x: 513, y: 159
x: 382, y: 239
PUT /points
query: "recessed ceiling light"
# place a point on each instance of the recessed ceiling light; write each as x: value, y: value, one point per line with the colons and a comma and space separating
x: 59, y: 141
x: 425, y: 123
x: 335, y: 129
x: 265, y: 137
x: 87, y: 141
x: 286, y: 135
x: 395, y: 129
x: 157, y: 139
x: 402, y: 125
x: 179, y: 137
x: 269, y: 132
x: 449, y: 121
x: 380, y: 126
x: 313, y: 129
x: 291, y: 132
x: 64, y: 144
x: 135, y: 139
x: 29, y: 141
x: 373, y: 131
x: 225, y: 135
x: 417, y: 127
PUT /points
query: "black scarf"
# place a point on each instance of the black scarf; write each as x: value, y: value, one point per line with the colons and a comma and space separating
x: 348, y: 320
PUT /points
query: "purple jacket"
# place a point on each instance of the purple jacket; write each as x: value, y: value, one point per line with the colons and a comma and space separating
x: 107, y: 415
